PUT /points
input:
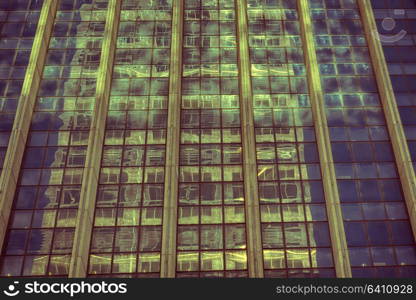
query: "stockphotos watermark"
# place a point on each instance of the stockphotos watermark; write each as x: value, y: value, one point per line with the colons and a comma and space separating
x: 389, y: 25
x: 71, y: 289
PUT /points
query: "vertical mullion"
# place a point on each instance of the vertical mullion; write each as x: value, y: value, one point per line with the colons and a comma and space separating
x: 332, y: 200
x: 18, y: 137
x: 391, y: 112
x: 254, y: 244
x: 170, y: 204
x: 85, y: 217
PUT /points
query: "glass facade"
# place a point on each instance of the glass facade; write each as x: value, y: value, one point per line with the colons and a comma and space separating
x: 211, y: 218
x: 396, y: 23
x: 42, y: 223
x: 377, y: 228
x: 295, y: 233
x: 18, y: 22
x: 212, y: 196
x: 128, y: 215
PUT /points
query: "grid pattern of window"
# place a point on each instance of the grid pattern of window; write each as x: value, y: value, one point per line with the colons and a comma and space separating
x: 18, y: 22
x: 295, y: 231
x: 211, y: 239
x: 126, y: 239
x: 378, y: 232
x: 396, y: 22
x: 42, y: 223
x: 211, y: 226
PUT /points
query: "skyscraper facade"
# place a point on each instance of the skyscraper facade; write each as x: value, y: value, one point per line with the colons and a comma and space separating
x: 219, y: 138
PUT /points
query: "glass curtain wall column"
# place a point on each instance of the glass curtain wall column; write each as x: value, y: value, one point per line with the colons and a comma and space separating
x: 47, y: 195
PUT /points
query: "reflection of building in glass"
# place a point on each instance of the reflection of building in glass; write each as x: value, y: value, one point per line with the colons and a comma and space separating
x: 51, y: 173
x: 18, y: 24
x: 220, y: 138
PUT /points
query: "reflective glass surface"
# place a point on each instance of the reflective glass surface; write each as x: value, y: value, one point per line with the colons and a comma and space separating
x: 42, y: 223
x: 375, y: 218
x: 18, y: 23
x: 396, y: 23
x: 211, y: 234
x: 127, y: 232
x: 211, y: 238
x: 295, y: 233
